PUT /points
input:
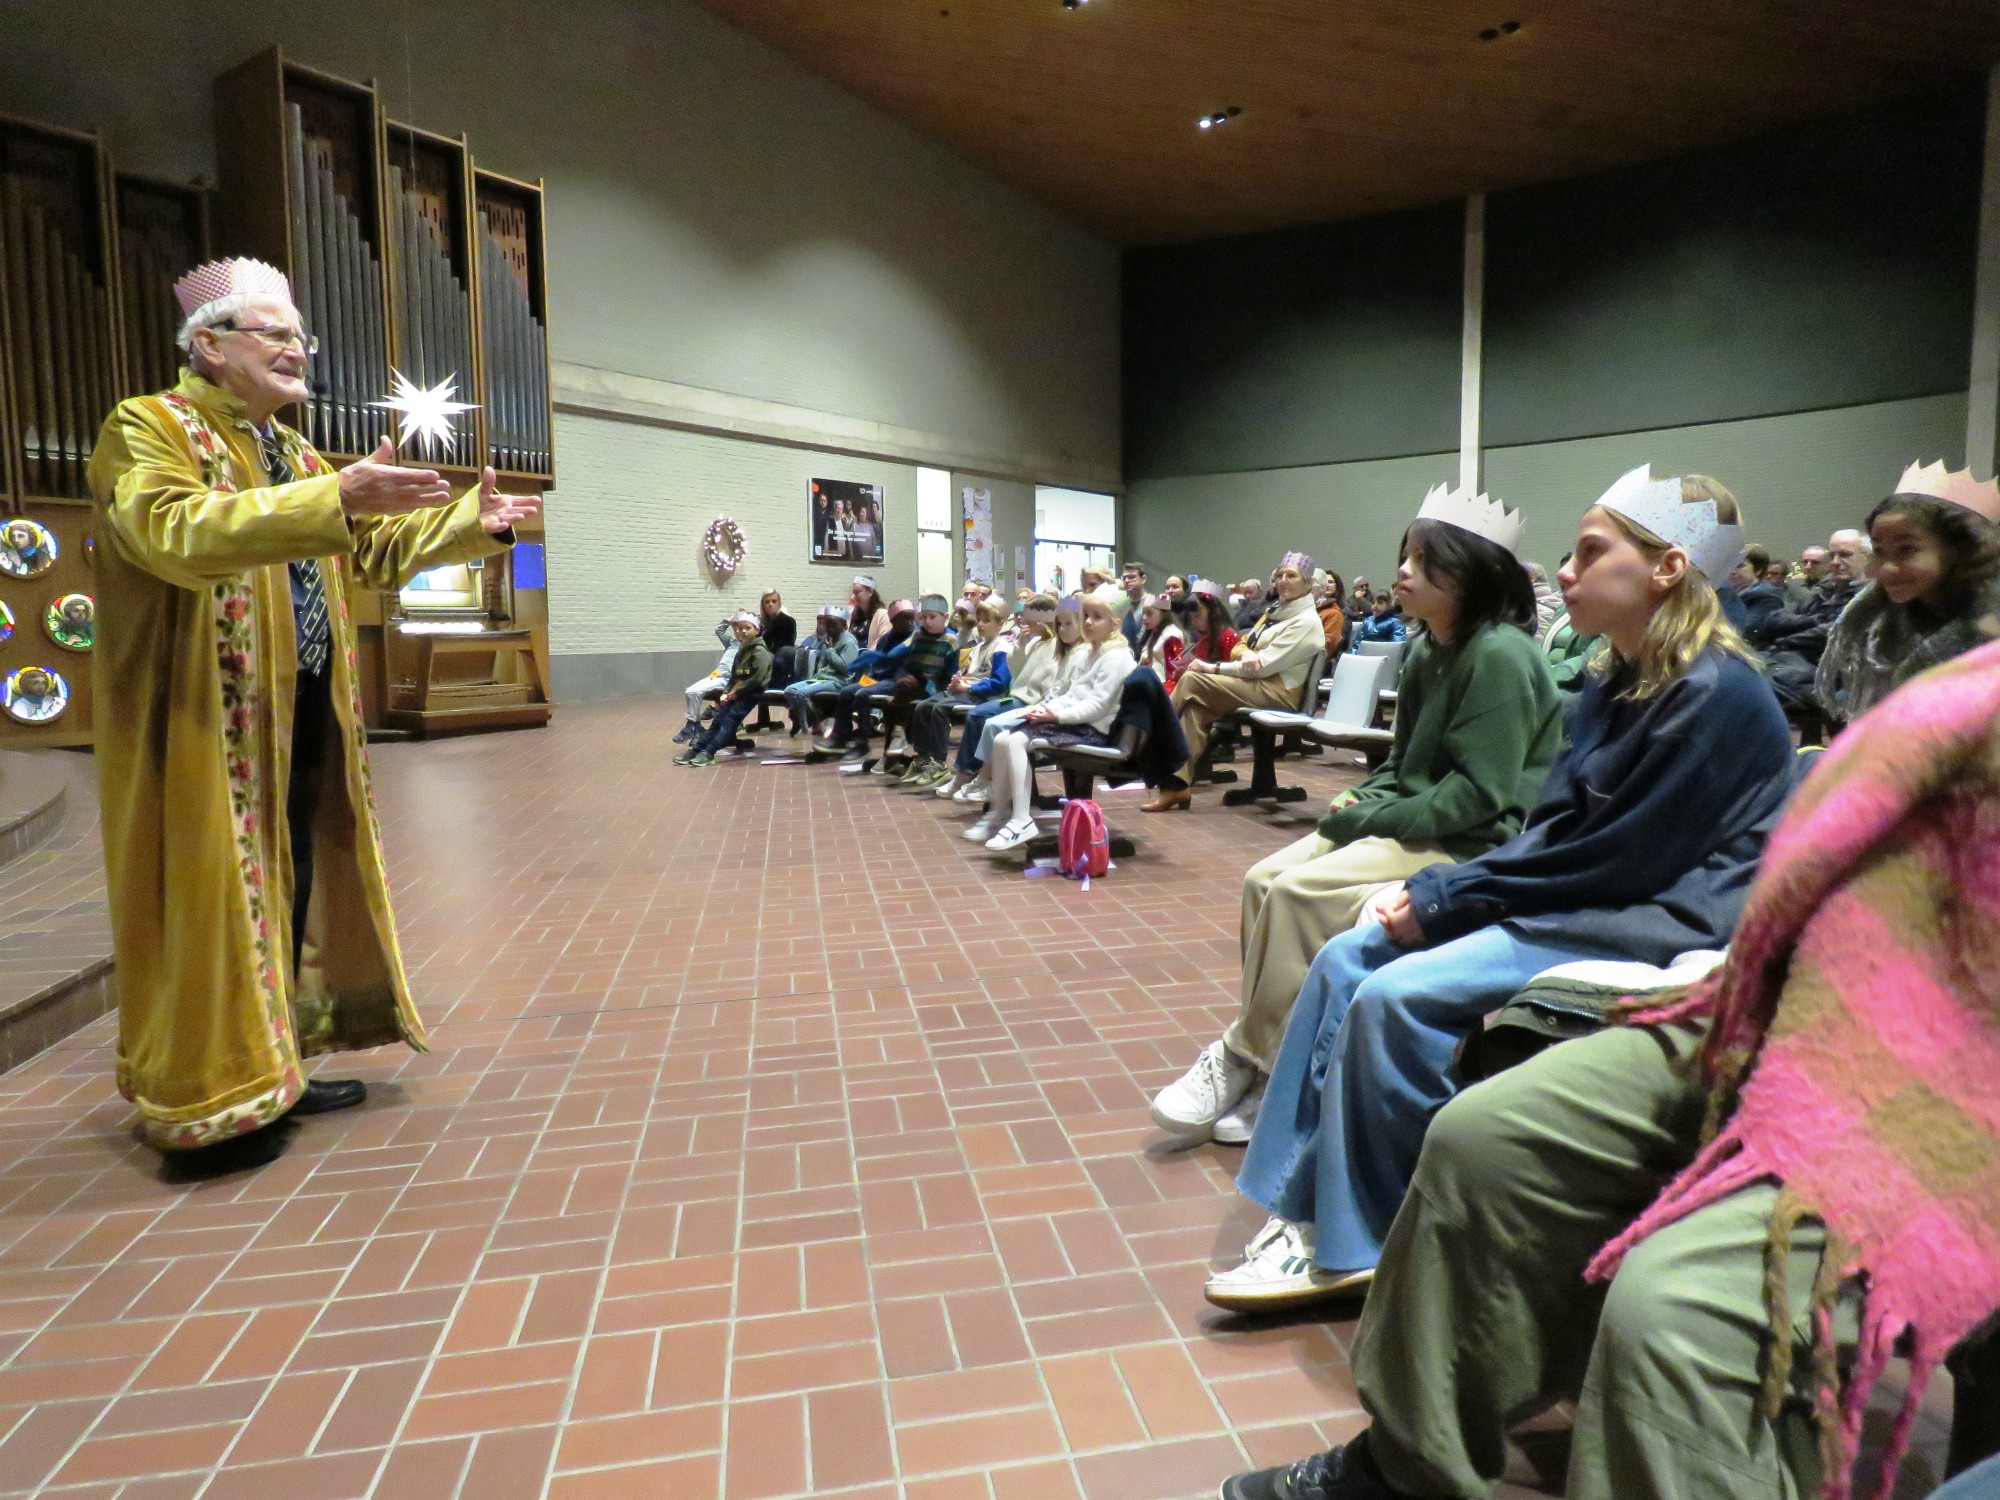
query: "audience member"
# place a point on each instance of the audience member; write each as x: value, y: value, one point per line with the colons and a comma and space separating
x: 1161, y: 641
x: 711, y: 686
x: 1132, y: 594
x: 780, y: 635
x: 1548, y: 598
x: 834, y: 649
x: 1478, y: 723
x: 902, y: 617
x: 1252, y: 600
x: 982, y: 677
x: 1384, y: 622
x: 1811, y: 573
x: 1935, y: 590
x: 1082, y: 714
x: 1330, y: 595
x: 1095, y: 583
x: 1360, y: 599
x: 867, y: 614
x: 1793, y: 642
x: 1265, y: 671
x: 748, y: 675
x: 915, y: 670
x: 1040, y: 669
x: 1778, y: 573
x: 1676, y: 763
x: 1210, y: 636
x: 1758, y: 600
x: 1701, y: 1346
x: 1174, y: 591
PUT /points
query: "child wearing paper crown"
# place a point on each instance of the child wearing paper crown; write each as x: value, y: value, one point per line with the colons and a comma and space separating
x: 749, y: 675
x: 983, y: 677
x: 1676, y: 764
x: 1478, y: 724
x: 911, y: 672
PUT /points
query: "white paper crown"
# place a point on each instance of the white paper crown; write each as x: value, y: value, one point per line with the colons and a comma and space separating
x: 1479, y: 514
x: 1981, y: 497
x: 1692, y: 526
x: 229, y: 278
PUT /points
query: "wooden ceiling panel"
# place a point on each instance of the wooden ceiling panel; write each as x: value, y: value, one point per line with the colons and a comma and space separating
x: 1350, y: 107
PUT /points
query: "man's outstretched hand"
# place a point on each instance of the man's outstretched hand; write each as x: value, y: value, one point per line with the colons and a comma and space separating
x: 498, y: 512
x: 379, y: 486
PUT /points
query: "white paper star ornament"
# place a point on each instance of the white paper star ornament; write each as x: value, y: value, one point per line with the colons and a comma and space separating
x: 426, y: 412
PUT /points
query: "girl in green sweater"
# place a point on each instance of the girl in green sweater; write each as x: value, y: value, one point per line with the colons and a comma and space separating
x: 1478, y: 723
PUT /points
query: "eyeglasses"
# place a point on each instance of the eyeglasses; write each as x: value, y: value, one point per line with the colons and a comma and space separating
x: 277, y: 338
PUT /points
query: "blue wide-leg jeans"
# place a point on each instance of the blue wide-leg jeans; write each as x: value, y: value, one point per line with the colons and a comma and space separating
x: 1363, y: 1067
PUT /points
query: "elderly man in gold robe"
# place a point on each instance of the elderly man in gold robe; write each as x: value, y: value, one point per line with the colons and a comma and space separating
x: 249, y: 907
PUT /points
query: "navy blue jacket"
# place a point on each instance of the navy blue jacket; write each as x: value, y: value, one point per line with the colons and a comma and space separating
x: 1650, y: 826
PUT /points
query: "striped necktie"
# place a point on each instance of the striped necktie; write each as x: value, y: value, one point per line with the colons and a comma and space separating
x: 315, y: 642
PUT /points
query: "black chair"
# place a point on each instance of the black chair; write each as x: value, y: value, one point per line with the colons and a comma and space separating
x: 1230, y: 728
x: 1081, y: 765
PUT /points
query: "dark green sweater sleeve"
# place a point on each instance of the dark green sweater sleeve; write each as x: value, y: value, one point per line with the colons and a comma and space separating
x: 1501, y: 737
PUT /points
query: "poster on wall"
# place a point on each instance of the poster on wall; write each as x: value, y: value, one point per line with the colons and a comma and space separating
x: 1020, y: 568
x: 844, y: 520
x: 978, y: 506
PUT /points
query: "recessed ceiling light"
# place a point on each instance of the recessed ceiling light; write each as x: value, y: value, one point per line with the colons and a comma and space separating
x: 1220, y: 117
x: 1074, y: 4
x: 1494, y: 33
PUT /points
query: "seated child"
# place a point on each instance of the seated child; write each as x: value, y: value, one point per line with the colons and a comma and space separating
x: 1381, y: 623
x: 1160, y: 640
x: 1478, y: 725
x: 982, y: 677
x: 747, y: 678
x: 902, y: 622
x: 834, y: 650
x: 1677, y: 763
x: 699, y: 693
x: 906, y: 674
x: 1082, y: 714
x: 1044, y: 658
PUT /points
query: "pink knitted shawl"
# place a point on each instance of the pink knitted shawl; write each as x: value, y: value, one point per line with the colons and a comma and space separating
x: 1855, y: 1029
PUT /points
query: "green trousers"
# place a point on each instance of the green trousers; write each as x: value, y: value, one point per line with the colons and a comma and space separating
x: 1480, y: 1317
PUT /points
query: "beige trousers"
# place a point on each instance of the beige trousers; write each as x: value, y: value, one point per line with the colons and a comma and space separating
x: 1294, y: 903
x: 1204, y: 697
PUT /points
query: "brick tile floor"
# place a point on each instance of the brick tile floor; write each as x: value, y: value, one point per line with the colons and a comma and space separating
x: 774, y: 1141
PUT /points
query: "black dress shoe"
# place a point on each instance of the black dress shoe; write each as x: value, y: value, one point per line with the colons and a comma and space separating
x: 240, y: 1153
x: 324, y: 1095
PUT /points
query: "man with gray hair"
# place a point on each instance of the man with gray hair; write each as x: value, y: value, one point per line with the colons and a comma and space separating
x: 249, y: 907
x: 1793, y: 641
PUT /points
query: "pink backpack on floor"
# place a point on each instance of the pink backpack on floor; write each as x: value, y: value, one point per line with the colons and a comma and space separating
x: 1083, y: 843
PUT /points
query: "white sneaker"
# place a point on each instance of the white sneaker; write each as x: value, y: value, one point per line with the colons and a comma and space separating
x: 973, y: 791
x: 897, y: 744
x: 948, y: 788
x: 1013, y: 836
x: 1278, y: 1273
x: 1188, y: 1108
x: 1234, y: 1125
x: 981, y: 831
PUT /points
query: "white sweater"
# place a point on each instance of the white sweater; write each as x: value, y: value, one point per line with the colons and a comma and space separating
x: 1033, y: 667
x: 1093, y: 692
x: 1282, y: 645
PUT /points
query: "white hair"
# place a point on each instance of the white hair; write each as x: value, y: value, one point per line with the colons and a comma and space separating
x: 210, y: 315
x: 1849, y: 534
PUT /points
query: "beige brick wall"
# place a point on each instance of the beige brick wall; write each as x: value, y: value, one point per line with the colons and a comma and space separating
x: 625, y: 524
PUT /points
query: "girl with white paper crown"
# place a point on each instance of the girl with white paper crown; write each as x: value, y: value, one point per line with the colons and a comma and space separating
x: 1676, y: 765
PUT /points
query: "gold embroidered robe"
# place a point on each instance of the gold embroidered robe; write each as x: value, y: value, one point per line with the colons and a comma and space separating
x: 195, y: 667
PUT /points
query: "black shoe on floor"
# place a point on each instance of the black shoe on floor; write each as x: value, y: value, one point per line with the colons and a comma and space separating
x: 1342, y: 1474
x: 323, y: 1095
x: 240, y: 1153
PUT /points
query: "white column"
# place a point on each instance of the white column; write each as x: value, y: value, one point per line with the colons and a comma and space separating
x: 1983, y: 403
x: 1471, y: 352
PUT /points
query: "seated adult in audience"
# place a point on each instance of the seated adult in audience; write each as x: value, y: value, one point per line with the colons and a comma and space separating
x: 748, y: 675
x: 1330, y: 595
x: 1265, y: 671
x: 1676, y: 763
x: 1478, y: 723
x: 1132, y: 598
x: 1793, y: 642
x: 1778, y: 573
x: 1811, y: 573
x: 780, y: 634
x: 711, y: 686
x: 1174, y: 591
x: 1936, y: 586
x: 1161, y: 640
x: 902, y: 616
x: 1360, y: 599
x: 1210, y: 636
x: 1252, y: 600
x: 1095, y: 583
x: 1384, y: 622
x: 1757, y: 599
x: 834, y: 650
x: 1040, y: 666
x: 1082, y: 714
x: 982, y: 677
x: 1548, y: 598
x: 867, y: 615
x: 1699, y: 1341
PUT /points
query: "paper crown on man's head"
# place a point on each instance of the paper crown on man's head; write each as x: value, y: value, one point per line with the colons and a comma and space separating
x: 1691, y: 525
x: 1481, y: 515
x: 240, y: 277
x: 1981, y: 497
